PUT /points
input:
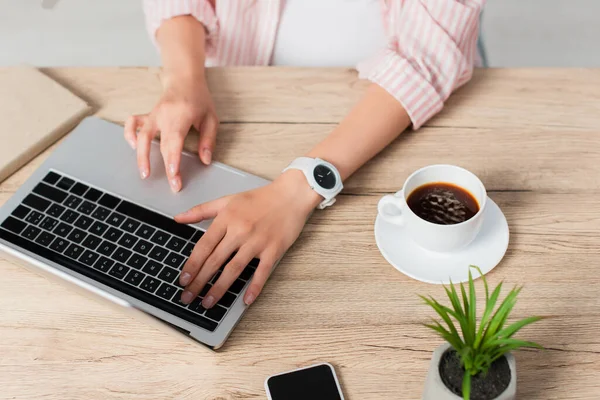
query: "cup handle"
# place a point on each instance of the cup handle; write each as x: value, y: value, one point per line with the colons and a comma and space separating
x: 396, y: 203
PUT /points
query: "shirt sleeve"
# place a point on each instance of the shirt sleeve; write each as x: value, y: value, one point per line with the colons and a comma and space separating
x: 432, y: 51
x: 158, y: 11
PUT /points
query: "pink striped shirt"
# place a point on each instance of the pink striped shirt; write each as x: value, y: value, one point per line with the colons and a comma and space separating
x: 431, y: 51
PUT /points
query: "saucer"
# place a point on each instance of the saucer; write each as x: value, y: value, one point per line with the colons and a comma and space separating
x: 485, y: 251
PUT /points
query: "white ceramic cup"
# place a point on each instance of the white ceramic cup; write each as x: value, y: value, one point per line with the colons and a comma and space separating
x: 435, y: 237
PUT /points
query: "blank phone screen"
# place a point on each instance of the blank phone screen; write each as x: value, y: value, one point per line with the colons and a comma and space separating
x: 315, y: 383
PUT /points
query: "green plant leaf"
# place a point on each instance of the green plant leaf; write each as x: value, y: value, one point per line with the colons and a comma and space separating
x: 489, y: 307
x: 516, y: 326
x: 485, y: 285
x: 473, y: 306
x: 468, y: 336
x: 454, y: 340
x: 466, y: 386
x: 501, y: 314
x: 513, y: 345
x: 455, y: 301
x: 442, y: 312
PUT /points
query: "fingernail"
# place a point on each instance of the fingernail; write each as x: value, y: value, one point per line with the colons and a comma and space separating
x: 207, y: 156
x: 172, y: 169
x: 187, y: 297
x: 185, y: 279
x: 175, y: 184
x: 249, y: 299
x: 132, y: 144
x: 208, y: 302
x: 144, y: 173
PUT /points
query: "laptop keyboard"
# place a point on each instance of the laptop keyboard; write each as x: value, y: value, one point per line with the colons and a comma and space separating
x: 115, y: 242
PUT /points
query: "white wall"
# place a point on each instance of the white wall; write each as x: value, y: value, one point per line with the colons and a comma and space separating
x: 111, y: 32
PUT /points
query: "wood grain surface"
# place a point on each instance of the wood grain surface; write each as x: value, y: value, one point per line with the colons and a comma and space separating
x: 531, y: 135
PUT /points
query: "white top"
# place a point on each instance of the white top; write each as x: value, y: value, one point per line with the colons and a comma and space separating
x: 328, y: 33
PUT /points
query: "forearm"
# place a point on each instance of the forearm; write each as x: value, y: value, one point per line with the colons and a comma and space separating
x: 369, y: 127
x: 182, y: 41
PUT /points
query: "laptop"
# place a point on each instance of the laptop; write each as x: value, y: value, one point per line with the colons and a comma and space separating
x: 86, y: 217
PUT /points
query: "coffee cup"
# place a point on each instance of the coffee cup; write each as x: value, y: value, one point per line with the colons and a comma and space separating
x: 440, y: 206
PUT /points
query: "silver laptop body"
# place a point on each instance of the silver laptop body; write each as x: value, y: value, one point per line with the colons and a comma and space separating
x: 96, y: 155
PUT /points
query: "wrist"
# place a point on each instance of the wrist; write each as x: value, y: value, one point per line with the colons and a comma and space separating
x: 297, y: 189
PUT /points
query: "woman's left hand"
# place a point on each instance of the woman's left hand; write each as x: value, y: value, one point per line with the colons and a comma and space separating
x: 261, y: 223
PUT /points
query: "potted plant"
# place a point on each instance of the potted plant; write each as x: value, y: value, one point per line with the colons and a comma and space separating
x: 475, y: 363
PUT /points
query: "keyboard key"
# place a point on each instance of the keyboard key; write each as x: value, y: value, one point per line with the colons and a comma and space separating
x: 103, y: 264
x: 130, y: 225
x: 50, y: 192
x: 36, y: 202
x: 216, y: 313
x: 205, y: 290
x: 152, y: 267
x: 187, y: 250
x: 108, y: 201
x: 177, y: 299
x: 150, y: 284
x: 166, y: 291
x: 119, y: 271
x: 121, y: 255
x: 55, y: 210
x: 91, y: 242
x: 83, y: 222
x: 176, y: 244
x: 196, y: 305
x: 160, y: 221
x: 49, y: 223
x: 63, y: 229
x: 107, y: 248
x: 72, y: 202
x: 237, y: 286
x: 34, y: 217
x: 254, y: 262
x: 168, y: 274
x: 197, y: 235
x: 21, y: 211
x: 145, y: 231
x: 174, y: 260
x: 101, y: 213
x: 76, y: 236
x: 115, y: 219
x: 69, y: 216
x: 158, y: 253
x: 45, y: 238
x: 113, y: 234
x: 247, y: 273
x: 13, y: 225
x: 31, y: 232
x: 142, y: 247
x: 51, y: 178
x: 135, y: 277
x: 65, y: 183
x: 98, y: 228
x: 74, y: 251
x: 128, y: 240
x: 59, y: 245
x: 171, y: 307
x: 93, y: 194
x: 89, y: 258
x: 87, y: 207
x: 79, y: 189
x: 160, y: 238
x: 227, y: 300
x: 215, y: 277
x: 136, y: 261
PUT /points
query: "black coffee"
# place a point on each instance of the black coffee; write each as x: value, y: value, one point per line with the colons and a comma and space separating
x: 442, y: 203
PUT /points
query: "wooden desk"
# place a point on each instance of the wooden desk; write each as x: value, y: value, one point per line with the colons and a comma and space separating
x: 532, y: 137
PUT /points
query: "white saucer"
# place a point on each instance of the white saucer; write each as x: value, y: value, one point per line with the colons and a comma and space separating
x: 486, y: 250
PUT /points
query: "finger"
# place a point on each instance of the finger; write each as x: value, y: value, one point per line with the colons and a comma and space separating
x: 230, y: 273
x: 214, y: 261
x: 130, y: 130
x: 143, y: 148
x: 171, y: 147
x: 265, y: 266
x: 205, y: 246
x: 208, y: 138
x: 202, y: 211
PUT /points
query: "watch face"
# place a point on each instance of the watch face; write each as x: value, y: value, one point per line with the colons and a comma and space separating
x: 324, y: 177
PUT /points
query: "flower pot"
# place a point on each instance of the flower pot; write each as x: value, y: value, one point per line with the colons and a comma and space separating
x: 436, y: 389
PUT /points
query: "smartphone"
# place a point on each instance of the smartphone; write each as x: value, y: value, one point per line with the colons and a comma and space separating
x: 316, y: 382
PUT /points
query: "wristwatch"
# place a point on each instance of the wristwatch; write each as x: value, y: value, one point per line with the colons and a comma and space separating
x: 322, y: 177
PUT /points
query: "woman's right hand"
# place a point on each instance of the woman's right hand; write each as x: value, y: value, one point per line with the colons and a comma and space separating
x: 185, y: 103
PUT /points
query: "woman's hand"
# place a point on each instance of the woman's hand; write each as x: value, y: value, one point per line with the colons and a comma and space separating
x: 261, y: 223
x: 185, y: 103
